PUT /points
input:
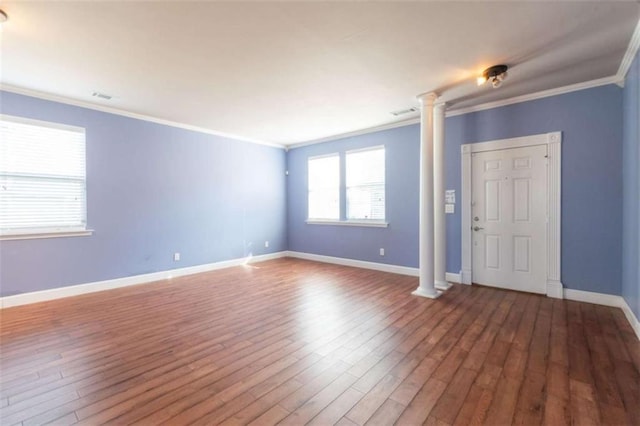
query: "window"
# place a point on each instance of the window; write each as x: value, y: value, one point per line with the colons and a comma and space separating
x: 363, y: 188
x: 42, y: 177
x: 324, y: 187
x: 365, y: 184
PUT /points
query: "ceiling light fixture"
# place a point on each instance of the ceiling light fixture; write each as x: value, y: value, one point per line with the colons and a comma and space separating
x: 3, y: 16
x: 495, y: 74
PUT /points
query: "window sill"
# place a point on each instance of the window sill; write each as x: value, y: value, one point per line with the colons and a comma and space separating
x: 365, y: 223
x: 26, y: 235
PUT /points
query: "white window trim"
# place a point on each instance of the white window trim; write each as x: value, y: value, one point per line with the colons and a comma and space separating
x: 369, y: 148
x: 35, y: 234
x: 553, y: 141
x: 38, y: 233
x: 365, y: 223
x: 348, y: 222
x: 317, y: 157
x: 41, y: 123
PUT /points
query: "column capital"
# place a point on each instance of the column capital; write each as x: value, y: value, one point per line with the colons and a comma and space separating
x: 440, y: 105
x: 427, y: 98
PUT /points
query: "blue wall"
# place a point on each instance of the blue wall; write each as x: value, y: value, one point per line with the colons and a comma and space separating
x: 152, y: 190
x: 631, y: 184
x: 400, y: 239
x: 591, y: 123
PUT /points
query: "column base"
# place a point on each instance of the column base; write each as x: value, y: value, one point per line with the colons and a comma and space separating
x: 443, y: 285
x: 423, y: 293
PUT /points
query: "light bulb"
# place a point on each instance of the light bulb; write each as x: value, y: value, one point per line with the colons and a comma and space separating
x: 481, y: 80
x: 495, y: 82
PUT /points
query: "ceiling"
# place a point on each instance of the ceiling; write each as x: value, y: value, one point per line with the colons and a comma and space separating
x: 292, y: 72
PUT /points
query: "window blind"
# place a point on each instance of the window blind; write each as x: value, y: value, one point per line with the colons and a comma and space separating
x: 42, y: 176
x: 365, y: 181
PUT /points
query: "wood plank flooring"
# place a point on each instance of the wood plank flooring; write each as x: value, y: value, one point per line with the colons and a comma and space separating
x: 296, y: 342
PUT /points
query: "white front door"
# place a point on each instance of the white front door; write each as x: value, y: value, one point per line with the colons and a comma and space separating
x: 509, y: 209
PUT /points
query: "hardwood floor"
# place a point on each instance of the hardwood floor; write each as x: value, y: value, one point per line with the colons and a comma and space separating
x: 294, y: 342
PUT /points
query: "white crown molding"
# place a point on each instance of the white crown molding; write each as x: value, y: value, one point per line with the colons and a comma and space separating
x: 116, y: 111
x: 537, y: 95
x: 618, y: 78
x: 461, y: 111
x: 364, y: 131
x: 408, y: 122
x: 75, y: 290
x: 630, y: 54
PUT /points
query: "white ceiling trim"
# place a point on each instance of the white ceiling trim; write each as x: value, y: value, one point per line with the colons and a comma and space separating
x: 357, y: 132
x: 538, y: 95
x: 489, y: 105
x: 615, y: 79
x: 116, y: 111
x: 632, y: 49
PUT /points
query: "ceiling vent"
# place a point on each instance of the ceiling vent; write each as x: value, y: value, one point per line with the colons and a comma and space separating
x: 404, y: 111
x: 102, y: 96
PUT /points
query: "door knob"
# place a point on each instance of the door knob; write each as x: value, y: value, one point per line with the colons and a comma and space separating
x: 477, y: 228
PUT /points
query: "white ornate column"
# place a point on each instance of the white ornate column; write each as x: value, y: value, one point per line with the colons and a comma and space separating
x: 440, y: 231
x: 426, y: 287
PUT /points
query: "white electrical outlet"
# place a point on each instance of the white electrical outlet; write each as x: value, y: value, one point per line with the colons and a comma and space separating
x: 176, y: 257
x: 266, y: 243
x: 381, y: 252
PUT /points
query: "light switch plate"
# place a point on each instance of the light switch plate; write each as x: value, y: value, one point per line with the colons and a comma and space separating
x: 450, y: 196
x: 449, y: 208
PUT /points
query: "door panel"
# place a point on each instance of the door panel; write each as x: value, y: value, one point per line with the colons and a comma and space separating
x: 492, y: 200
x: 509, y: 205
x: 521, y: 253
x: 492, y: 251
x: 521, y: 200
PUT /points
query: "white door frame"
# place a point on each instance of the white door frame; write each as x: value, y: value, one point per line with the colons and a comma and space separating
x: 554, y: 142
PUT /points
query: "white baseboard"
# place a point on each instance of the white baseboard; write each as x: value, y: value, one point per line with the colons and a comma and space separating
x: 606, y: 300
x: 554, y: 289
x: 453, y: 278
x: 633, y: 320
x: 465, y: 276
x: 592, y: 297
x: 75, y: 290
x: 395, y: 269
